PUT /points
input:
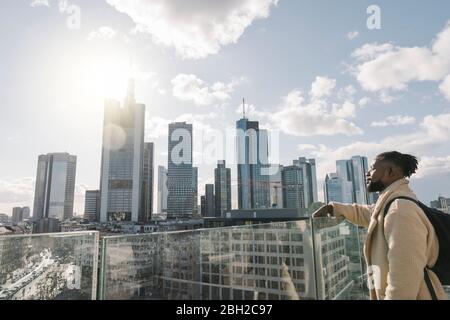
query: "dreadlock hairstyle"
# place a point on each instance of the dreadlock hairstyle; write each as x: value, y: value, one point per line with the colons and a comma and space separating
x: 407, y: 162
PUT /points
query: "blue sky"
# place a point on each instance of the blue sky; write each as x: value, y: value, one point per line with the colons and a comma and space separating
x: 310, y: 69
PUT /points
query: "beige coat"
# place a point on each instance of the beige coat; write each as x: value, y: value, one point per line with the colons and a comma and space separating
x: 399, y: 254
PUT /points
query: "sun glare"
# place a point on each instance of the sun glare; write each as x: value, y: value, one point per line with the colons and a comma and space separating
x: 107, y: 79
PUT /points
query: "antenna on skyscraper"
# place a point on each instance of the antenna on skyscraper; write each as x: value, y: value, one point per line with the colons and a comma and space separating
x: 243, y: 108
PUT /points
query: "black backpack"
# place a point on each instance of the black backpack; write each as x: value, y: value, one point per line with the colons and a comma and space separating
x: 441, y: 224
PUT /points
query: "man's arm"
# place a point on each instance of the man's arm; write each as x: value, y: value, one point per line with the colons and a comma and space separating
x: 355, y: 213
x: 406, y: 236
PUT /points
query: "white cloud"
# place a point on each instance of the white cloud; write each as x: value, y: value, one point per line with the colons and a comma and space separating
x: 103, y: 32
x: 371, y: 50
x: 322, y: 87
x: 385, y: 67
x: 39, y: 3
x: 352, y: 35
x: 251, y: 112
x: 157, y: 127
x: 298, y: 118
x: 432, y: 166
x: 347, y: 110
x: 303, y: 147
x: 195, y: 28
x: 364, y: 101
x: 397, y: 120
x: 434, y: 132
x: 188, y: 87
x: 386, y: 98
x: 445, y: 87
x: 18, y: 192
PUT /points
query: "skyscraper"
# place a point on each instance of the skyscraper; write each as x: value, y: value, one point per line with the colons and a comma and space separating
x: 222, y: 185
x: 55, y: 186
x: 337, y: 189
x: 180, y: 173
x: 360, y: 167
x: 195, y: 190
x: 122, y: 160
x: 17, y: 215
x: 276, y: 188
x: 209, y: 200
x: 92, y: 205
x: 162, y: 190
x: 293, y: 183
x: 309, y: 179
x: 147, y: 183
x: 299, y: 187
x: 252, y: 154
x: 354, y: 170
x: 26, y: 212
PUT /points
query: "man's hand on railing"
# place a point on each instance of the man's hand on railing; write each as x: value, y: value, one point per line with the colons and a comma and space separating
x: 324, y: 212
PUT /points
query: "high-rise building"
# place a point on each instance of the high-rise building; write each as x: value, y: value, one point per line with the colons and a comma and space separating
x: 17, y: 215
x: 203, y: 206
x: 209, y: 200
x: 92, y: 205
x: 293, y: 184
x: 26, y: 213
x: 162, y: 190
x: 252, y: 154
x: 354, y: 170
x: 309, y: 179
x: 195, y: 190
x: 222, y: 185
x: 276, y: 188
x: 337, y: 189
x: 55, y: 186
x: 298, y: 183
x: 360, y: 168
x: 147, y: 184
x: 180, y: 173
x: 122, y: 160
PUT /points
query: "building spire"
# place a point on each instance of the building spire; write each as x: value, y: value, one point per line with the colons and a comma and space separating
x: 243, y: 108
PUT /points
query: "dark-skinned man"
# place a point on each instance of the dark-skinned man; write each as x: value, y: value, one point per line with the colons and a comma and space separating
x: 399, y: 245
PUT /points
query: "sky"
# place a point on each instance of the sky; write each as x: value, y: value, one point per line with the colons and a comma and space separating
x: 333, y: 78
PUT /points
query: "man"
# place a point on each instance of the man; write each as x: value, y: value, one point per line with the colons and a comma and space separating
x: 400, y: 244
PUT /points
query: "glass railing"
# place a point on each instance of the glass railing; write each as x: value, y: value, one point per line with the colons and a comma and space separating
x: 57, y: 266
x: 309, y: 259
x: 280, y: 260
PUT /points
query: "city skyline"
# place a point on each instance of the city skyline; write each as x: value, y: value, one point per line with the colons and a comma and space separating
x: 327, y: 107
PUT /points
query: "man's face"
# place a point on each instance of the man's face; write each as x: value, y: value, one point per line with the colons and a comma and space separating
x: 375, y: 176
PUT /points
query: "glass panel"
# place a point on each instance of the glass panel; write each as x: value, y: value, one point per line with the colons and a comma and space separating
x: 339, y: 260
x: 223, y: 263
x: 59, y: 266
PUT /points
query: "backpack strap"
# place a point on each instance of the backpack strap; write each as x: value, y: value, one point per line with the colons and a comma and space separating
x: 425, y: 270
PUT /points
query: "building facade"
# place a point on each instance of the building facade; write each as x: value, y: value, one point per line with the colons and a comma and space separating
x: 92, y: 205
x: 209, y: 201
x: 180, y: 173
x: 298, y: 183
x: 222, y: 186
x: 147, y: 183
x: 276, y: 188
x: 122, y: 160
x: 252, y: 155
x: 354, y: 170
x: 162, y: 190
x: 55, y: 186
x: 337, y: 189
